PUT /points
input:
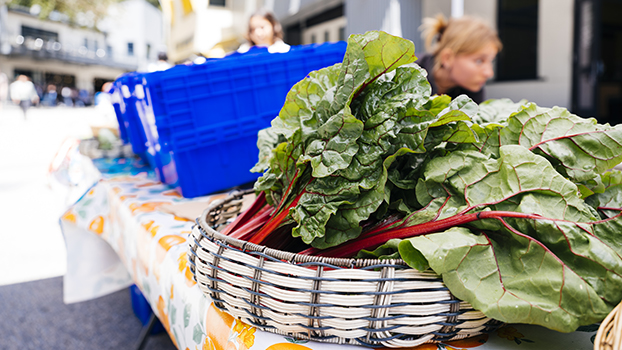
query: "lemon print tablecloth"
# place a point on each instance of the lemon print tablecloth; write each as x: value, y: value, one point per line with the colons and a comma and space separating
x: 117, y: 236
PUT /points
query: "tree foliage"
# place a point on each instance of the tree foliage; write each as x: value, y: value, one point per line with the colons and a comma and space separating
x: 81, y: 12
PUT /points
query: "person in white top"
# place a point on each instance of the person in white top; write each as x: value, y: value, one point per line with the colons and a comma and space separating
x: 161, y: 64
x: 4, y: 88
x: 23, y: 93
x: 264, y: 30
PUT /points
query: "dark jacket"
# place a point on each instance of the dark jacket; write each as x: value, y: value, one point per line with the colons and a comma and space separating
x: 427, y: 62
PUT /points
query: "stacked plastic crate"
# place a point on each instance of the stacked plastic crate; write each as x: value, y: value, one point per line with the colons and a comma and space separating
x: 127, y: 96
x: 201, y: 121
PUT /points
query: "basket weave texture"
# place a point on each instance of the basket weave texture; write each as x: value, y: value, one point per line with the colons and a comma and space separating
x: 347, y: 301
x: 609, y: 335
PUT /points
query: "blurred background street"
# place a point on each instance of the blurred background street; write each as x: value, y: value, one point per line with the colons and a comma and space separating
x: 32, y: 245
x: 32, y: 250
x: 555, y: 53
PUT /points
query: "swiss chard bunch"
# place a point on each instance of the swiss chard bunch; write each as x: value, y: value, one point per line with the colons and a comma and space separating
x: 511, y: 203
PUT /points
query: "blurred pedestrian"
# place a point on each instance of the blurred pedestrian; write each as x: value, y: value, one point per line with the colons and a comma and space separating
x: 161, y: 64
x: 103, y: 105
x: 4, y: 89
x: 23, y: 93
x: 49, y: 99
x: 264, y: 30
x: 460, y: 60
x: 103, y: 96
x: 67, y: 93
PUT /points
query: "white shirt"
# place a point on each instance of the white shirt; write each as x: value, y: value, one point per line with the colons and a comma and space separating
x: 278, y: 47
x: 158, y: 66
x: 23, y: 90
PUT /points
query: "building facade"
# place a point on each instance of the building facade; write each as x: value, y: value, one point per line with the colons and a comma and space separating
x: 55, y: 53
x: 209, y: 28
x: 564, y: 53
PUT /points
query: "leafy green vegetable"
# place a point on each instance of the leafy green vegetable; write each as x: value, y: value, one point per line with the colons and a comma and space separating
x: 510, y: 203
x: 579, y: 147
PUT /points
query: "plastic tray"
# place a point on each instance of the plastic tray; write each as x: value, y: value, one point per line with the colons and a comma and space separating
x: 129, y: 107
x: 203, y: 119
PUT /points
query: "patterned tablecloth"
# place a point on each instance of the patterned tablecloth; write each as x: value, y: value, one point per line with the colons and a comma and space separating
x: 116, y: 236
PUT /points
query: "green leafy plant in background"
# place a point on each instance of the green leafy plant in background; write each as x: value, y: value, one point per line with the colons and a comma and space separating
x: 511, y: 203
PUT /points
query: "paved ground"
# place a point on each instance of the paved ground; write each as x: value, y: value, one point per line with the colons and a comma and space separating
x: 31, y: 244
x: 32, y: 249
x: 37, y: 319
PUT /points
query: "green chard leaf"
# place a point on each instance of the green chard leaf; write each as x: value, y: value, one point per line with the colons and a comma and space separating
x: 283, y: 169
x: 609, y: 196
x: 509, y: 277
x: 497, y: 110
x: 581, y: 147
x: 478, y: 181
x: 368, y: 169
x: 267, y: 140
x: 388, y: 250
x: 509, y: 202
x: 520, y: 268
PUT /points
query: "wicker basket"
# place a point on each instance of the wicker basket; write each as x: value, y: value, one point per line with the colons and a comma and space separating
x: 347, y: 301
x: 609, y: 335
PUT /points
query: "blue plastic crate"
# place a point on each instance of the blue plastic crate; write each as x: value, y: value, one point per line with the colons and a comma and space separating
x: 203, y: 119
x: 116, y: 100
x: 142, y: 309
x: 129, y: 107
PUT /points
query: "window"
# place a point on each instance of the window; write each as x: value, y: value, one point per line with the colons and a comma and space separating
x: 220, y: 3
x: 342, y: 33
x: 86, y: 43
x: 130, y: 49
x: 293, y: 34
x: 518, y: 31
x: 325, y: 16
x: 326, y: 36
x: 313, y: 41
x: 30, y: 32
x: 148, y: 51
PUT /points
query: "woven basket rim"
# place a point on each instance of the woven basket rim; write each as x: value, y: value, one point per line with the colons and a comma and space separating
x: 233, y: 274
x: 280, y: 254
x: 609, y: 334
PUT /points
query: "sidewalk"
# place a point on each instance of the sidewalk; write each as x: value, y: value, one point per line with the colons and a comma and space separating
x: 31, y: 243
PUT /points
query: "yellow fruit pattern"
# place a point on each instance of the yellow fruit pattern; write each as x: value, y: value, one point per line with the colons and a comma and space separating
x: 145, y: 207
x: 172, y: 193
x: 127, y: 196
x: 461, y: 344
x: 69, y: 216
x: 97, y: 225
x: 164, y: 318
x: 246, y: 334
x: 149, y: 184
x: 165, y: 243
x: 183, y: 268
x: 290, y: 346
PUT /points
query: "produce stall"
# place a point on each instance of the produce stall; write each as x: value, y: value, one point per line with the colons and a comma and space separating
x: 382, y: 217
x: 117, y: 236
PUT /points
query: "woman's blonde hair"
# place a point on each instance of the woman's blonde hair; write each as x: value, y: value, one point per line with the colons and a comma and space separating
x: 464, y: 35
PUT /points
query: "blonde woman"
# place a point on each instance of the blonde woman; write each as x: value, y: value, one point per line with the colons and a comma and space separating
x: 264, y: 30
x: 461, y: 53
